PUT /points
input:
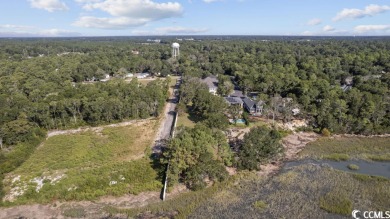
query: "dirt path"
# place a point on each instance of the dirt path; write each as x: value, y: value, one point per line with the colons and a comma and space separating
x: 164, y: 131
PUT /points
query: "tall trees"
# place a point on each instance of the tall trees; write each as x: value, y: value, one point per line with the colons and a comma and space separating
x: 196, y: 154
x: 260, y: 144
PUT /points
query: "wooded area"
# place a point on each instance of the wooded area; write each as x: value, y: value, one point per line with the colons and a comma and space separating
x: 43, y: 87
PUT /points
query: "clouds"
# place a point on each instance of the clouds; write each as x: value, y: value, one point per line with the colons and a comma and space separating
x: 328, y: 28
x: 11, y: 30
x: 209, y: 1
x: 174, y: 30
x: 180, y: 30
x: 49, y: 5
x: 354, y: 13
x: 371, y: 28
x: 314, y: 21
x: 127, y: 13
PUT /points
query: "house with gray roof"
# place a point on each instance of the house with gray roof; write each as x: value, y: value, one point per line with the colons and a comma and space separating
x: 212, y: 83
x: 253, y: 107
x: 234, y: 101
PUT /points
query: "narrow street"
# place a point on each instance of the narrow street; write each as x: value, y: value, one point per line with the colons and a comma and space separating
x: 164, y: 131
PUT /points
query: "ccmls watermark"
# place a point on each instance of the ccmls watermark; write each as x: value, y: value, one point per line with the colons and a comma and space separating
x: 370, y: 214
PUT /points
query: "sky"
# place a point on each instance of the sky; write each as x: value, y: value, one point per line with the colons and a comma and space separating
x: 58, y: 18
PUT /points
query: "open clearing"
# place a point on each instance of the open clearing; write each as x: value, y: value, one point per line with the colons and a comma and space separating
x: 87, y: 165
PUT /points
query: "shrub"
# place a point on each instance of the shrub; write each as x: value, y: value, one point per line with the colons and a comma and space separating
x: 325, y: 132
x: 353, y: 167
x: 261, y: 205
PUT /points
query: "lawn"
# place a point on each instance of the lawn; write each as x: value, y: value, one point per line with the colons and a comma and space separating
x: 184, y: 120
x: 88, y: 165
x: 344, y: 148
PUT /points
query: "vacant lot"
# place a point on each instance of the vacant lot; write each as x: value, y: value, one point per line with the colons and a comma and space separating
x: 344, y: 148
x: 87, y: 165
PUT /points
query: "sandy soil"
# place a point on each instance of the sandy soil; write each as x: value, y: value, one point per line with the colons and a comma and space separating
x: 94, y: 129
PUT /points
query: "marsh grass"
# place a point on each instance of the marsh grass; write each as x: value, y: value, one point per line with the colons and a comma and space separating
x: 376, y: 148
x: 335, y: 202
x: 302, y: 192
x: 336, y: 157
x: 92, y: 164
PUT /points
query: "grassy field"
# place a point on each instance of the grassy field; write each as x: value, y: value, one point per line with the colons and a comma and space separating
x: 184, y: 120
x: 344, y: 148
x: 88, y: 165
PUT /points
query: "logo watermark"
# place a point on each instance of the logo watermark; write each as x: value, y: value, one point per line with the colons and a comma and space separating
x: 370, y: 214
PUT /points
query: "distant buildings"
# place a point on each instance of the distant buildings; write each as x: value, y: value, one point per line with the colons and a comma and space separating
x: 142, y: 75
x: 129, y: 75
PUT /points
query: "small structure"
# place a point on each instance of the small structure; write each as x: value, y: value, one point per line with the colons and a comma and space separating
x: 345, y: 87
x: 135, y: 52
x: 234, y: 101
x: 142, y: 75
x: 175, y: 50
x: 106, y: 78
x: 212, y: 83
x: 254, y: 108
x: 295, y: 111
x: 129, y: 75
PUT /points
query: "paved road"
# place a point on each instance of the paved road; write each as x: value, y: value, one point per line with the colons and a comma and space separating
x: 164, y: 131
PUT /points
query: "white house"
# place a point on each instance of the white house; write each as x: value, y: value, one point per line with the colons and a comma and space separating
x: 212, y: 83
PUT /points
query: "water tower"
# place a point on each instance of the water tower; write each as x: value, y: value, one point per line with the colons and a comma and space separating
x: 175, y: 50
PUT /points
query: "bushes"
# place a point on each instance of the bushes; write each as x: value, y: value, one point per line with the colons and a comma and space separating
x: 353, y: 167
x: 325, y: 132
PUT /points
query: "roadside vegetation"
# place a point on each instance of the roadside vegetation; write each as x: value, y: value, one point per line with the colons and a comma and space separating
x: 345, y: 148
x: 88, y: 165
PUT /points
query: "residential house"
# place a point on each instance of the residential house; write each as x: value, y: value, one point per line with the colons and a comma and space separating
x: 212, y: 83
x: 234, y: 101
x: 253, y: 107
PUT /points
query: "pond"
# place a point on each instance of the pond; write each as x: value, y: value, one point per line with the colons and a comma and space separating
x: 373, y: 168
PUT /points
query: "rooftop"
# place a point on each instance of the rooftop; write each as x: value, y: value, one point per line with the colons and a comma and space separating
x: 211, y: 81
x: 233, y: 100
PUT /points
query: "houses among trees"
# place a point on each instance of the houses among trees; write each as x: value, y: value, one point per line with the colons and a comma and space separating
x: 253, y: 105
